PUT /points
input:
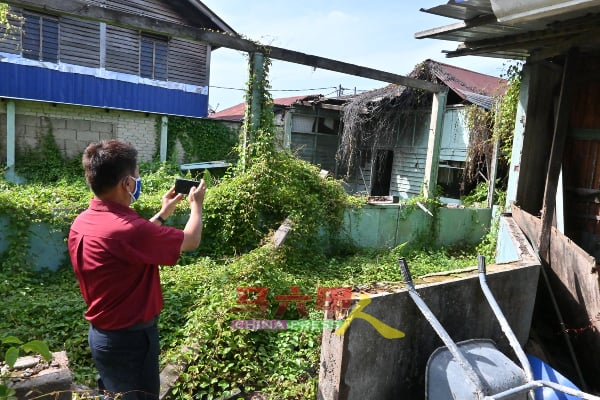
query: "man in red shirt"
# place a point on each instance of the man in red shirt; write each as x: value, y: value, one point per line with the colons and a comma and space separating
x: 115, y: 255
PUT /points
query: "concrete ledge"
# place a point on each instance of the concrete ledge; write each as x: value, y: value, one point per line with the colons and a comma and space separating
x: 53, y: 382
x: 364, y: 365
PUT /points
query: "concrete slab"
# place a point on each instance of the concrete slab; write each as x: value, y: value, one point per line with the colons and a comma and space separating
x: 365, y: 365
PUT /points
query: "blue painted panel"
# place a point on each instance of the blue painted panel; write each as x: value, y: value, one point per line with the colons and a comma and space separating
x: 42, y: 84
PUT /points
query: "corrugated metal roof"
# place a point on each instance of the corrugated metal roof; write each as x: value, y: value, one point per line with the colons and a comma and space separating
x: 464, y: 81
x: 481, y: 34
x: 236, y: 113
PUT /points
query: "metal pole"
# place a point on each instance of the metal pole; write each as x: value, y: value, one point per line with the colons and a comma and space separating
x: 10, y: 140
x: 164, y: 122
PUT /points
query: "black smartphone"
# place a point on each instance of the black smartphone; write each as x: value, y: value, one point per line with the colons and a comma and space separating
x: 184, y: 185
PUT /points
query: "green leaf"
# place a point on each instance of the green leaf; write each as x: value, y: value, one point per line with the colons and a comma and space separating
x: 38, y: 346
x: 10, y: 358
x: 11, y: 340
x: 5, y: 392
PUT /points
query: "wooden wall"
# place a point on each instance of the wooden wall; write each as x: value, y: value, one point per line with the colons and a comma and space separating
x: 581, y: 162
x: 80, y: 43
x: 539, y: 127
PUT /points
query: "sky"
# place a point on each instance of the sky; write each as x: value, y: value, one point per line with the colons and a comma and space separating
x: 377, y: 34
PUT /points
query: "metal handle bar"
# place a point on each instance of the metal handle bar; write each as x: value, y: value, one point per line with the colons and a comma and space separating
x: 538, y: 384
x: 480, y: 386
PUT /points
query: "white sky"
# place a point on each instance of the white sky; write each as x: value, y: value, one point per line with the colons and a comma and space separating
x: 377, y: 34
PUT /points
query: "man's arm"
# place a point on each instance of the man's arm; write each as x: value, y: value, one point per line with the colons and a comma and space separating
x: 192, y: 232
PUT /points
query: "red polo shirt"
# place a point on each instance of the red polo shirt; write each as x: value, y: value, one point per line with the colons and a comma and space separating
x: 115, y: 254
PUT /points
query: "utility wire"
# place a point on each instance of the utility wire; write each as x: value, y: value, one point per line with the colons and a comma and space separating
x: 278, y: 90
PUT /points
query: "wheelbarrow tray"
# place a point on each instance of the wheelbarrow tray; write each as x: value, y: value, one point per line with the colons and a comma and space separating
x: 446, y: 379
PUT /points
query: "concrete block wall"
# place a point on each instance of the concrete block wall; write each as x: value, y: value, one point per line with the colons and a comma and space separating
x: 387, y: 226
x: 74, y: 127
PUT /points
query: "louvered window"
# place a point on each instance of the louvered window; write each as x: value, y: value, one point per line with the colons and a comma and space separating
x: 40, y: 37
x: 153, y: 57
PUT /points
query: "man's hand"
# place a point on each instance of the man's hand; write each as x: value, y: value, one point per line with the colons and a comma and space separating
x: 196, y: 195
x: 169, y: 202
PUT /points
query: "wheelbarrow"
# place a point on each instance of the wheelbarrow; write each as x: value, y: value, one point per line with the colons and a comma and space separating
x: 476, y: 369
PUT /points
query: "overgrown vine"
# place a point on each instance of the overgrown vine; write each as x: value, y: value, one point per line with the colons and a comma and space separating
x: 258, y: 129
x: 485, y: 128
x: 200, y: 139
x: 372, y: 120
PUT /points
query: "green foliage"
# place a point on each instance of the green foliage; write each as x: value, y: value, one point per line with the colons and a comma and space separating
x: 4, y: 13
x: 44, y: 162
x: 258, y: 131
x: 242, y: 209
x: 280, y: 364
x: 201, y: 140
x: 11, y: 22
x: 200, y: 293
x: 507, y: 110
x: 16, y: 345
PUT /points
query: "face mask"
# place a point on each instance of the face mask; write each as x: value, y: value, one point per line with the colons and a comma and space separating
x: 138, y: 189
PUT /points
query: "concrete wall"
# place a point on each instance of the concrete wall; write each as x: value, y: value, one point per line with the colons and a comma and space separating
x: 369, y: 227
x: 387, y: 226
x: 362, y: 364
x: 74, y: 127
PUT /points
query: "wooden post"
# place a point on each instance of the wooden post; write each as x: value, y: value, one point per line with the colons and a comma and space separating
x: 253, y: 106
x: 287, y: 130
x: 492, y: 175
x: 561, y: 123
x: 433, y: 147
x: 259, y: 74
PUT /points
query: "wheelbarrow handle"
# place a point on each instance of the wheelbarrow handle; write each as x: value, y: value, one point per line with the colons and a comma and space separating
x: 481, y: 263
x: 480, y: 386
x: 504, y: 325
x: 405, y: 272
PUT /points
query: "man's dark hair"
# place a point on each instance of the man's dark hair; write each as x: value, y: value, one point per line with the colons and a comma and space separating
x: 107, y: 162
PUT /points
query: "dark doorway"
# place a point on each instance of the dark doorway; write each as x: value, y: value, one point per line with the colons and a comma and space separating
x: 381, y: 175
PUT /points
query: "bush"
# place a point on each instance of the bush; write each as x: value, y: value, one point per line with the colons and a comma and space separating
x: 243, y: 209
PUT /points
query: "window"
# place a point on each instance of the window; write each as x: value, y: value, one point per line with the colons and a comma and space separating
x: 153, y: 57
x: 40, y: 37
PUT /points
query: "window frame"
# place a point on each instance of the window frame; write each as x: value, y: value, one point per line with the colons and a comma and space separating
x: 41, y: 52
x: 158, y: 67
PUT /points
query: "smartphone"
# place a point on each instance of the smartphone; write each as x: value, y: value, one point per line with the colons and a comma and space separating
x: 184, y: 185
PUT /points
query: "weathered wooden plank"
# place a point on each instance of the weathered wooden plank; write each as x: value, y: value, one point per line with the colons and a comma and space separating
x: 561, y: 131
x: 94, y: 12
x: 187, y: 61
x: 576, y: 289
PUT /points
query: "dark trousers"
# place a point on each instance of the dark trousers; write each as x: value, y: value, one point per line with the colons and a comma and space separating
x: 127, y: 362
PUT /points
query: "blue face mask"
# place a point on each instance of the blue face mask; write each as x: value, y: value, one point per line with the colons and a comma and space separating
x: 138, y: 189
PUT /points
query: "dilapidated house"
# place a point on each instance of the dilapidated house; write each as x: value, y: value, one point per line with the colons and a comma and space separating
x: 308, y: 125
x: 378, y: 140
x: 86, y: 73
x: 385, y: 132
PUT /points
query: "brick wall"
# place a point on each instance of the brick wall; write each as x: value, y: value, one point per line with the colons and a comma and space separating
x: 74, y: 127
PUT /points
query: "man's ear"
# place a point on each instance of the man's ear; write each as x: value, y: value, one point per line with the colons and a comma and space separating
x: 124, y: 183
